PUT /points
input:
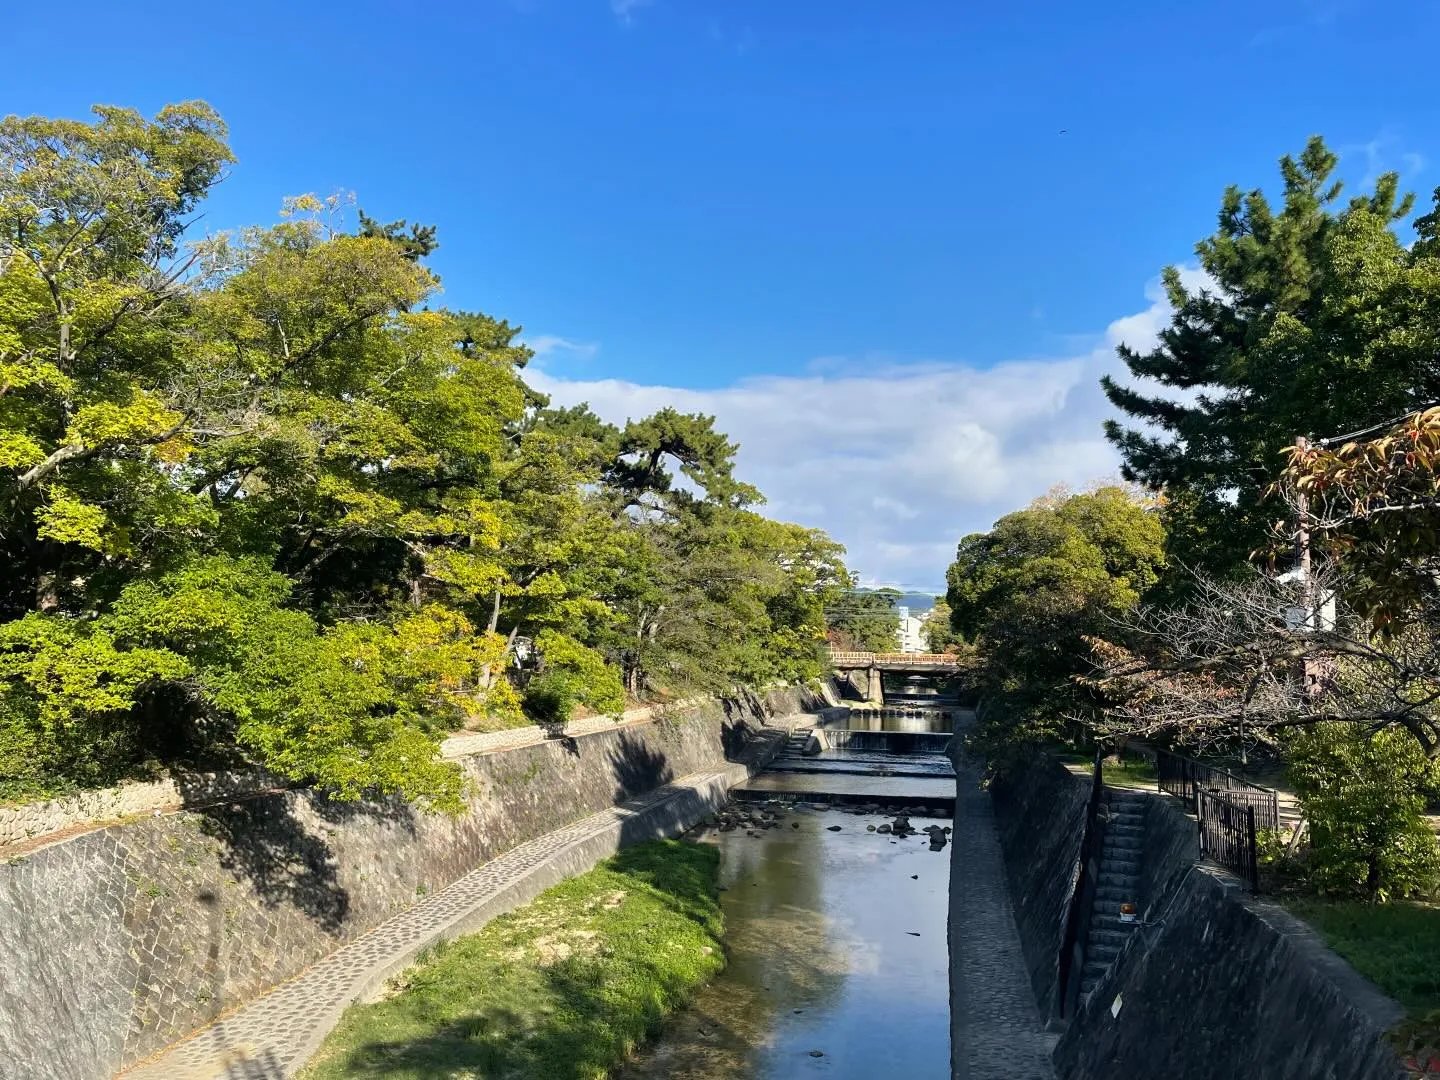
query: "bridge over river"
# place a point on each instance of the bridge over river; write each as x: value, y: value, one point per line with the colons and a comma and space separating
x: 881, y: 678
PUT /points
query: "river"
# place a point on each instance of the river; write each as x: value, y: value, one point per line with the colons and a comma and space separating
x: 837, y: 957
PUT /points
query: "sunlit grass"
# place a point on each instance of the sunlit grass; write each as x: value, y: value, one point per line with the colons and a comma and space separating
x: 562, y: 989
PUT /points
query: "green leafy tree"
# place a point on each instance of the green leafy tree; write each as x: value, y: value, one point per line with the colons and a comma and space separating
x: 261, y: 500
x: 1029, y: 592
x: 1363, y: 797
x: 1318, y: 320
x: 92, y: 375
x: 867, y: 620
x: 940, y: 634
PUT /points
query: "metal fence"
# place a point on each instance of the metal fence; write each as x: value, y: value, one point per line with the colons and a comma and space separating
x: 1186, y: 778
x: 1227, y: 834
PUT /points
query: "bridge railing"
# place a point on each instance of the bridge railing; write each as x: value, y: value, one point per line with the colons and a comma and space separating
x: 840, y: 658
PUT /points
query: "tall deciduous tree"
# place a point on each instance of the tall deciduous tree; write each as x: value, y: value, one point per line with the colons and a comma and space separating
x: 260, y: 500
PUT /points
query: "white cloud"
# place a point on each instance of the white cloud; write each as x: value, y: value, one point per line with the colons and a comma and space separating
x: 624, y: 8
x: 549, y: 345
x: 899, y: 462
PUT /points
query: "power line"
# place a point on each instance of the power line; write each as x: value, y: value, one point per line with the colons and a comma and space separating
x: 1333, y: 439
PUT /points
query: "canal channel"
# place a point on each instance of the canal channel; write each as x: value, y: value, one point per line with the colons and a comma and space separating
x: 835, y: 872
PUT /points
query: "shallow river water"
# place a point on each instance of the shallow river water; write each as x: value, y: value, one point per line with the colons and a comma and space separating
x: 836, y: 945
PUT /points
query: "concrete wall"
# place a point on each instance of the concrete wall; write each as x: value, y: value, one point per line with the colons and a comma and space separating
x: 1227, y: 986
x: 119, y: 941
x: 1216, y: 985
x: 1040, y: 815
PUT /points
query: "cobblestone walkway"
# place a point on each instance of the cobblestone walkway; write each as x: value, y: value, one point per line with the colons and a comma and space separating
x: 270, y: 1038
x: 994, y: 1024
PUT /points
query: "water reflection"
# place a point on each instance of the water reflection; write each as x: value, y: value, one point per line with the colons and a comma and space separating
x: 836, y: 943
x: 922, y: 720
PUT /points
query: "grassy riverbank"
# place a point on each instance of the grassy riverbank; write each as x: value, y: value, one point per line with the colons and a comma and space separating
x: 562, y: 989
x: 1396, y: 946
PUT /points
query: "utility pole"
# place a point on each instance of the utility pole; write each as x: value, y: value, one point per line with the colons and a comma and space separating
x: 1310, y: 617
x: 1302, y: 538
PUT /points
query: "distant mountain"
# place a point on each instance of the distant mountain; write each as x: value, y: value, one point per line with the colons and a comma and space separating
x: 915, y: 601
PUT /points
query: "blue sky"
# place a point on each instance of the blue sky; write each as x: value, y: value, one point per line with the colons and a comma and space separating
x: 890, y: 244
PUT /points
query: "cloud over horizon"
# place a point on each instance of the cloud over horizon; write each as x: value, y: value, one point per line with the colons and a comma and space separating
x: 899, y: 463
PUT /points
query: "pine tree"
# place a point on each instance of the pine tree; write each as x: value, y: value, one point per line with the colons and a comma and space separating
x: 1318, y: 320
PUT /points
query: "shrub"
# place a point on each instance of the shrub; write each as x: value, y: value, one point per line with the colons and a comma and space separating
x: 1362, y: 795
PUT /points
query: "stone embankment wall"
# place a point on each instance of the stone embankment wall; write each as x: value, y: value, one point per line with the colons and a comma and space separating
x: 121, y: 940
x: 33, y: 821
x: 1040, y: 815
x: 1216, y: 984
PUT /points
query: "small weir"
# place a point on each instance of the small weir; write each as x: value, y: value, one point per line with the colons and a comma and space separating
x: 836, y: 869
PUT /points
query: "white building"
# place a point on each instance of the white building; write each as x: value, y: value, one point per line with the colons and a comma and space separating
x: 912, y: 632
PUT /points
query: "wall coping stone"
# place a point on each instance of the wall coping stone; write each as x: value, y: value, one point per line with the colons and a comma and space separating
x: 26, y: 826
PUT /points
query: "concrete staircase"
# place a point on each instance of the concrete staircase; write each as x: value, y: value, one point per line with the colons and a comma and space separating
x: 795, y: 745
x: 1119, y: 883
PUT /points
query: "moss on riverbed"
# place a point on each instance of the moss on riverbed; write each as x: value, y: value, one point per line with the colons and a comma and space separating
x: 561, y: 989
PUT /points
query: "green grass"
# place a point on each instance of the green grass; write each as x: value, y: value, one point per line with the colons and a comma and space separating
x: 561, y: 989
x: 1128, y: 772
x: 1396, y: 946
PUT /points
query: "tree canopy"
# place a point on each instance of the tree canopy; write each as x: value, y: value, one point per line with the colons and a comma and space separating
x: 1027, y: 593
x: 1315, y: 319
x: 261, y: 499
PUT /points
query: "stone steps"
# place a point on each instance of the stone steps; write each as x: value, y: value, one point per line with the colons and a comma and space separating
x: 1118, y: 882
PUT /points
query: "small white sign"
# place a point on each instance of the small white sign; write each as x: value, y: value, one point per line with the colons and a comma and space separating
x: 1115, y: 1006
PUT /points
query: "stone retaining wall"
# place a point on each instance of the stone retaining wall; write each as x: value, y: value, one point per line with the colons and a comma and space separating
x: 1216, y: 984
x: 1040, y: 814
x: 1228, y: 986
x: 117, y: 942
x: 34, y: 820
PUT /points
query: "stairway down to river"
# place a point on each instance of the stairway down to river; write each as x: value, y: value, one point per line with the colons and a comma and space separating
x: 1119, y: 883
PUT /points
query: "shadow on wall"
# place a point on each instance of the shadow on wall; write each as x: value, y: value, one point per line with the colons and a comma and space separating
x: 742, y: 716
x: 264, y: 842
x: 637, y: 768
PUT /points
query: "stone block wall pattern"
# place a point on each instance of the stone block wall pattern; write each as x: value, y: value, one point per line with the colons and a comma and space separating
x: 119, y: 941
x: 1228, y: 986
x: 1216, y: 984
x: 1040, y: 815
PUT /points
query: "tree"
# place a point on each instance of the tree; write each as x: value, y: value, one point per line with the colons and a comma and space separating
x: 867, y: 620
x: 93, y: 388
x: 261, y: 501
x: 940, y: 635
x: 1373, y: 504
x: 1316, y: 320
x: 1028, y: 592
x: 1363, y: 797
x: 710, y: 594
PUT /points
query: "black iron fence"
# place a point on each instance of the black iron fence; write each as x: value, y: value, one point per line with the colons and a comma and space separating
x: 1186, y: 778
x: 1227, y: 834
x: 1072, y: 942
